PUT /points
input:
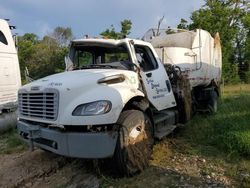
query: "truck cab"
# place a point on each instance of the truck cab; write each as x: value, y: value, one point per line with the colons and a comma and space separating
x: 10, y: 79
x: 103, y: 106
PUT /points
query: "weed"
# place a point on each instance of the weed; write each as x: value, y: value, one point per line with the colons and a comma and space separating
x: 10, y: 142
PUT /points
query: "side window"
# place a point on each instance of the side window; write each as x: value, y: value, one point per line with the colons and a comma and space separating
x: 145, y: 58
x: 83, y: 58
x: 3, y: 38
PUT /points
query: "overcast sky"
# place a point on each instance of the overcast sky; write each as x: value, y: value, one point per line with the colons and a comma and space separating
x: 93, y: 16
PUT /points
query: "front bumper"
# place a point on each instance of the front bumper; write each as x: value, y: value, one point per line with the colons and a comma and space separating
x: 71, y: 144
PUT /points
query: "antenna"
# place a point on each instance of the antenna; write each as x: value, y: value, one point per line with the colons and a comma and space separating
x: 159, y: 25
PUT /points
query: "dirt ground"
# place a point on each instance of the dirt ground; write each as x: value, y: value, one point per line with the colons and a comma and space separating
x: 172, y: 166
x: 167, y: 169
x: 44, y: 169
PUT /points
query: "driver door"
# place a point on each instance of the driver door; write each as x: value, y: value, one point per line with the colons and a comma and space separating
x: 155, y: 78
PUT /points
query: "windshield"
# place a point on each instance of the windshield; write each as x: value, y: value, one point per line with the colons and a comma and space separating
x: 116, y: 57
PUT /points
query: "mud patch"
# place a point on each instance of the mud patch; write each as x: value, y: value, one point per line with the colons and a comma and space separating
x: 44, y: 169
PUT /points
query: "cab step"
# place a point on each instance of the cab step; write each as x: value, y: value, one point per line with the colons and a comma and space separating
x: 164, y: 131
x: 164, y: 123
x: 166, y: 117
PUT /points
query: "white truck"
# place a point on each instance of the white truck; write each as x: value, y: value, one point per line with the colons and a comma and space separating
x: 115, y: 97
x: 10, y: 79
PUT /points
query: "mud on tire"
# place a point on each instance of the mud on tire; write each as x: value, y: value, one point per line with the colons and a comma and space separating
x: 134, y: 144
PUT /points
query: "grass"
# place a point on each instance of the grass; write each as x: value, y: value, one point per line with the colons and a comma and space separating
x: 236, y: 89
x: 227, y: 130
x: 10, y: 142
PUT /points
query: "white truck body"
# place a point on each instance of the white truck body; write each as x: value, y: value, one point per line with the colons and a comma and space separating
x: 113, y: 99
x: 10, y: 79
x: 195, y: 52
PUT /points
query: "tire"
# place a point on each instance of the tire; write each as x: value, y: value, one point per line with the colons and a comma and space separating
x: 135, y: 143
x: 213, y: 103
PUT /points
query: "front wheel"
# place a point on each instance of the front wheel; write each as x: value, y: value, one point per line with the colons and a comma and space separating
x: 135, y: 142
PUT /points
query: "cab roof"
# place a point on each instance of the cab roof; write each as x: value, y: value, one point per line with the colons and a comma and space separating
x: 113, y: 42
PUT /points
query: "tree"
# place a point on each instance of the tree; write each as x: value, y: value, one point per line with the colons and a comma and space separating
x: 183, y: 24
x: 47, y: 59
x: 246, y: 50
x: 43, y: 57
x: 62, y: 35
x: 26, y: 45
x: 110, y: 33
x: 126, y: 26
x: 33, y: 38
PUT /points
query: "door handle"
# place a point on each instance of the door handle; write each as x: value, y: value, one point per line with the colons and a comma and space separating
x: 149, y: 75
x: 168, y: 85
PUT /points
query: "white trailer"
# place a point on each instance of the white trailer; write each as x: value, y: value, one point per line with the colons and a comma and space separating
x: 196, y: 52
x: 10, y: 80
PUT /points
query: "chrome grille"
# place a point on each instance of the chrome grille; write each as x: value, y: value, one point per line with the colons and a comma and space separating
x: 41, y: 105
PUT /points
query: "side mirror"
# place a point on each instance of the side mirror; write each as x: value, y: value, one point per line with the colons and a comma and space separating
x: 68, y: 64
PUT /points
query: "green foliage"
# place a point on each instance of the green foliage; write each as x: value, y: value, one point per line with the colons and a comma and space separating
x: 47, y: 59
x: 183, y: 24
x: 31, y: 37
x: 246, y: 50
x: 26, y: 45
x: 10, y: 142
x: 247, y: 80
x: 230, y: 73
x: 46, y: 56
x: 84, y: 58
x: 110, y: 33
x: 126, y: 26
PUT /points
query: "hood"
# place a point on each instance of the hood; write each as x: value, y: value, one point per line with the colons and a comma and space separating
x: 80, y: 87
x: 72, y: 79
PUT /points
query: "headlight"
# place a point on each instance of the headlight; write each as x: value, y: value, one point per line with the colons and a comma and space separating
x: 93, y: 108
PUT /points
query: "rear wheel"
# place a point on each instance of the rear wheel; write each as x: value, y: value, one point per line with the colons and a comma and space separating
x: 135, y: 142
